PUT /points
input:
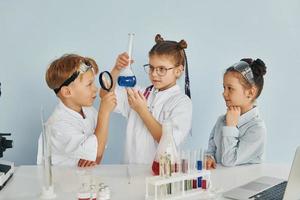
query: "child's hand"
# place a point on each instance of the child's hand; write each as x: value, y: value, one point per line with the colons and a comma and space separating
x: 86, y: 163
x: 136, y: 100
x: 210, y: 163
x: 232, y: 115
x: 122, y: 61
x: 108, y: 102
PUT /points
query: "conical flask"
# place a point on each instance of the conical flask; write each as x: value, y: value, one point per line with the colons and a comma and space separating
x: 166, y: 157
x: 127, y: 77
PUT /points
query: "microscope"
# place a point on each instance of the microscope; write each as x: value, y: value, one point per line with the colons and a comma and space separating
x: 6, y: 167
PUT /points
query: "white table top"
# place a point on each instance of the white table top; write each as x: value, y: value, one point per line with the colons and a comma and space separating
x: 27, y: 180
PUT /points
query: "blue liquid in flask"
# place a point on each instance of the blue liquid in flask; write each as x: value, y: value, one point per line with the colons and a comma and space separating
x: 127, y: 81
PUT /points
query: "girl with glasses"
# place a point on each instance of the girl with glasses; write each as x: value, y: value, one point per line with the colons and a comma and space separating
x: 146, y: 109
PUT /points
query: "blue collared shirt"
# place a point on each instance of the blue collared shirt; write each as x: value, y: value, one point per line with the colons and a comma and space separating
x: 243, y: 144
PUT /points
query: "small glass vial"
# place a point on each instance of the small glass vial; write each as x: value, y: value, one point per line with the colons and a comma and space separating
x: 85, y: 194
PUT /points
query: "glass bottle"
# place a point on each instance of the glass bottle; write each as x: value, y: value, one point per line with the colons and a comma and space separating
x: 168, y: 147
x: 127, y: 77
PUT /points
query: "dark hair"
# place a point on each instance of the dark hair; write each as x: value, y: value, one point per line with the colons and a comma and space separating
x: 169, y: 48
x: 176, y: 51
x: 258, y: 69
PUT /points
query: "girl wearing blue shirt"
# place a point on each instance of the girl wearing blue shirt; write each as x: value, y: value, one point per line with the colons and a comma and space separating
x: 238, y: 137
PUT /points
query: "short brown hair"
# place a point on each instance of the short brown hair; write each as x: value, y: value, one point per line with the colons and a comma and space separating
x: 63, y: 67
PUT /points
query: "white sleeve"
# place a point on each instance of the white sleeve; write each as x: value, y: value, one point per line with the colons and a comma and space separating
x: 72, y: 143
x: 94, y: 116
x: 181, y: 118
x: 122, y: 101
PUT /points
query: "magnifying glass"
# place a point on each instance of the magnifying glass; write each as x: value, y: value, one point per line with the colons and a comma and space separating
x: 106, y: 81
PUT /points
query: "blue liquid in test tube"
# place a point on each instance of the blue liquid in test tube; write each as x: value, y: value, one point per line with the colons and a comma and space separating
x: 200, y: 160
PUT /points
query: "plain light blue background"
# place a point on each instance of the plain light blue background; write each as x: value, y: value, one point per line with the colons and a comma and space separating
x: 219, y: 33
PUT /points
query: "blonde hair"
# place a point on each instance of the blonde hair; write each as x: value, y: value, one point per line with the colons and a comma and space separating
x: 63, y: 67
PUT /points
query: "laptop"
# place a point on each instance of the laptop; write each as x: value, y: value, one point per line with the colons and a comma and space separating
x: 270, y: 187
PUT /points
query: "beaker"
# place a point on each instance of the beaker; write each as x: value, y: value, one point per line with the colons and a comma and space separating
x: 127, y: 77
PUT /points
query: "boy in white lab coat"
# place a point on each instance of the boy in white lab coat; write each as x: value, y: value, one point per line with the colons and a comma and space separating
x: 78, y: 131
x: 145, y: 109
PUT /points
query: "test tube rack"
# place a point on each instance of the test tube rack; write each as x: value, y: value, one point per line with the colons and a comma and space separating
x: 155, y: 182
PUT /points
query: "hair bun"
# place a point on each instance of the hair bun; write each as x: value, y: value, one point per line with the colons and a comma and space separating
x: 182, y: 44
x: 258, y: 67
x: 247, y: 60
x: 158, y: 38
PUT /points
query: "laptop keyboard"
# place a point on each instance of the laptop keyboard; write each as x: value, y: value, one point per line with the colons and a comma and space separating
x: 4, y: 168
x: 274, y: 193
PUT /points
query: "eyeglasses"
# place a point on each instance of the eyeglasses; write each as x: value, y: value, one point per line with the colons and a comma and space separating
x: 161, y: 70
x: 82, y: 69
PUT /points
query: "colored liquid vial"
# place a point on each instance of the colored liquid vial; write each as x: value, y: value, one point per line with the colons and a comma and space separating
x: 127, y: 81
x: 199, y: 182
x: 155, y: 168
x: 199, y: 165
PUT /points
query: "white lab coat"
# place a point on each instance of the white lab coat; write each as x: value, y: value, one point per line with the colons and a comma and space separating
x: 72, y: 136
x: 140, y: 146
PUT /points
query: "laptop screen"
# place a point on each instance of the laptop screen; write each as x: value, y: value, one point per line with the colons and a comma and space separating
x: 292, y: 190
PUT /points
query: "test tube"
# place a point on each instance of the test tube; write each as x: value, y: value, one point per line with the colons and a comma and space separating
x: 194, y: 155
x: 93, y: 192
x: 185, y: 161
x: 83, y: 192
x: 177, y: 185
x: 200, y: 160
x: 101, y: 194
x: 184, y: 166
x: 205, y: 156
x: 194, y: 160
x: 205, y: 182
x: 188, y: 152
x: 168, y: 165
x: 107, y: 192
x: 161, y: 165
x: 178, y: 165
